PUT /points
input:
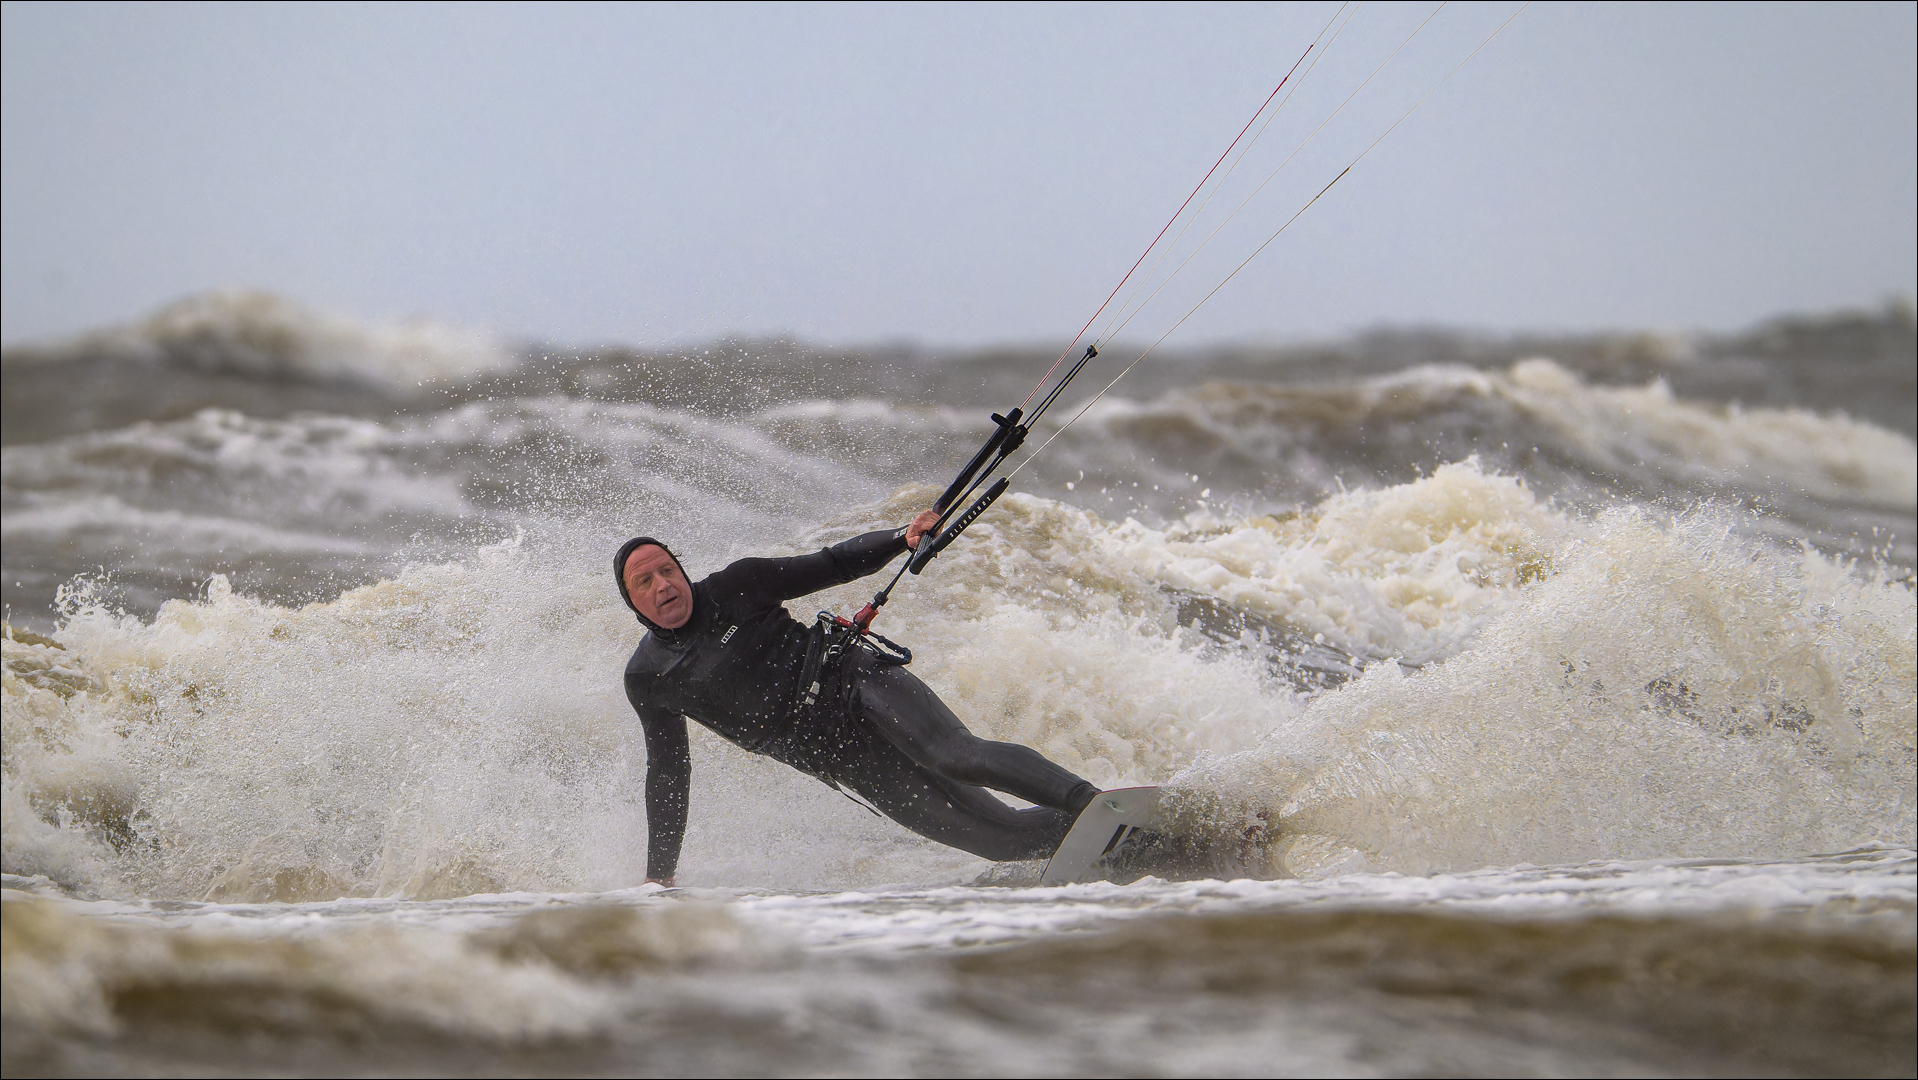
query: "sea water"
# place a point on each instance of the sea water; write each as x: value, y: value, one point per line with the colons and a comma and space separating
x: 1549, y: 723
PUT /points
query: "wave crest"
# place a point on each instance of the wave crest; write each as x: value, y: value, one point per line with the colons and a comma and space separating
x: 1620, y: 685
x: 264, y: 336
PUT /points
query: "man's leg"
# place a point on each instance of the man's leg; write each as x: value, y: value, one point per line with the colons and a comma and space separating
x: 968, y: 818
x: 908, y: 715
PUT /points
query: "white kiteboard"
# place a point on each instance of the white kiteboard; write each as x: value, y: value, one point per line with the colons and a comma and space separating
x: 1101, y: 831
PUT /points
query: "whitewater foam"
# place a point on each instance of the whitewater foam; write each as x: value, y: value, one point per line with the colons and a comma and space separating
x: 1614, y: 686
x: 1667, y: 690
x: 330, y: 721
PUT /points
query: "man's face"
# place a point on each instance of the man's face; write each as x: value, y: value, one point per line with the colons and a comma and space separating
x: 658, y: 589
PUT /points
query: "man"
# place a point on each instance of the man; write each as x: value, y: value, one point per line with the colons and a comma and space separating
x: 725, y: 652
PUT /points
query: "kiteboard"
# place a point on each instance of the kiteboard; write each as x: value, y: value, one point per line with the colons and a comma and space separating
x: 1102, y: 834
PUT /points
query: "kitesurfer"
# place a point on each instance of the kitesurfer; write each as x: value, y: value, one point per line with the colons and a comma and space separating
x: 724, y: 652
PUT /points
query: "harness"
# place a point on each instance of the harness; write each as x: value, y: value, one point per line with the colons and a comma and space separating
x: 826, y: 678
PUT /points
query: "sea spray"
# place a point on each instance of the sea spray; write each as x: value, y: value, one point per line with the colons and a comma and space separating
x: 1669, y: 690
x: 343, y: 641
x: 1619, y: 685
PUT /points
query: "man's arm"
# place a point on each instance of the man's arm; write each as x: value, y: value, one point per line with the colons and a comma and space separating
x: 669, y: 771
x: 773, y: 581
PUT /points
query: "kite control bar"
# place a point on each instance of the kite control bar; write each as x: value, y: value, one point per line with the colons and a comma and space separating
x: 1004, y: 441
x: 1008, y: 435
x: 929, y: 549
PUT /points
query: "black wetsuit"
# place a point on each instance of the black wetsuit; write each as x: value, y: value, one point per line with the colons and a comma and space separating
x: 735, y: 667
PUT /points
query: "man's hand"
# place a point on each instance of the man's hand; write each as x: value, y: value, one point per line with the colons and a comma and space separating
x: 920, y: 526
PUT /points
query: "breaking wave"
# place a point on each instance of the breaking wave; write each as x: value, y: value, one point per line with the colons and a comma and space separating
x: 1567, y: 686
x: 264, y: 336
x: 325, y: 609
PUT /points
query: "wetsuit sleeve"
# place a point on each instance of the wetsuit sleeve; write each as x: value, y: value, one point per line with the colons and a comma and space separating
x: 772, y: 581
x: 669, y: 771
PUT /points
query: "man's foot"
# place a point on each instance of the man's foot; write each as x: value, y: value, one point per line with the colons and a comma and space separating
x: 1080, y: 797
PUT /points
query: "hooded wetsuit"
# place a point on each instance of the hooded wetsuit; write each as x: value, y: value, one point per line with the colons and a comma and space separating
x: 735, y: 667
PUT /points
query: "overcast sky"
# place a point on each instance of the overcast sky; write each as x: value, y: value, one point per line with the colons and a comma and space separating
x: 951, y: 175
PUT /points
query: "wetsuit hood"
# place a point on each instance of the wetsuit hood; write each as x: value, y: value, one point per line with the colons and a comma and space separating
x: 619, y: 581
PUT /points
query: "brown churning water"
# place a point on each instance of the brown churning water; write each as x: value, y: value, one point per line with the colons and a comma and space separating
x: 1564, y: 722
